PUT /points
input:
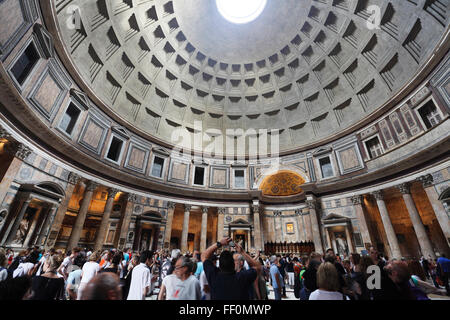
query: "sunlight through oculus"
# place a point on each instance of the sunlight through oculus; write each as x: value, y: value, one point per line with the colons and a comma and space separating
x: 240, y: 11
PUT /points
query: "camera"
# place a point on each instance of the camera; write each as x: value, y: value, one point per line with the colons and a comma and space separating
x: 231, y: 244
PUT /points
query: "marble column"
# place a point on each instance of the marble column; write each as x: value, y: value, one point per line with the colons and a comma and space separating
x: 312, y: 205
x: 424, y: 242
x: 257, y: 227
x: 388, y: 227
x: 155, y: 239
x: 15, y: 226
x: 351, y: 248
x: 73, y: 180
x: 365, y: 234
x: 438, y: 207
x: 82, y: 213
x: 204, y: 229
x: 220, y: 223
x: 327, y: 233
x: 104, y: 224
x: 45, y: 230
x: 20, y: 153
x: 333, y: 242
x: 185, y: 231
x: 301, y: 225
x: 168, y: 231
x: 120, y: 238
x: 36, y: 225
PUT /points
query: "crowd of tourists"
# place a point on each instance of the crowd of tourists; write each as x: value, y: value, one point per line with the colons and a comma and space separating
x: 224, y: 271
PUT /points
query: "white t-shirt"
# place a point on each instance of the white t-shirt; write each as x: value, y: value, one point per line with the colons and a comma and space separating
x: 203, y: 283
x: 67, y: 262
x: 176, y: 289
x: 23, y: 269
x: 41, y: 261
x: 326, y: 295
x: 140, y: 279
x: 90, y: 270
x: 3, y: 275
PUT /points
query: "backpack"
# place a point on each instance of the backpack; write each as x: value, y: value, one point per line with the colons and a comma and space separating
x: 416, y: 291
x: 165, y: 268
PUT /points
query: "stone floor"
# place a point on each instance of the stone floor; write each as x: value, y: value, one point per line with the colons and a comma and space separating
x: 290, y: 295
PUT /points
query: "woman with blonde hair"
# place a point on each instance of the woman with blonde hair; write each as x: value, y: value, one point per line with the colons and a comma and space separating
x: 49, y: 286
x: 328, y: 284
x: 89, y: 271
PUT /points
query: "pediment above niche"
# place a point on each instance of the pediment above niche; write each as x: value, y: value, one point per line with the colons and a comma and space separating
x: 334, y: 218
x: 161, y: 151
x: 121, y: 131
x: 322, y: 151
x: 80, y: 97
x: 45, y: 40
x: 241, y: 222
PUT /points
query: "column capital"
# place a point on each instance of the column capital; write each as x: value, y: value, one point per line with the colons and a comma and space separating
x: 205, y: 209
x: 131, y: 197
x: 427, y: 180
x: 17, y: 149
x: 91, y: 185
x: 356, y: 200
x: 298, y: 212
x: 73, y: 178
x: 256, y: 208
x: 221, y: 210
x: 405, y: 188
x: 4, y: 134
x: 112, y: 192
x: 277, y: 213
x: 378, y: 194
x: 187, y: 207
x: 171, y: 205
x: 312, y: 204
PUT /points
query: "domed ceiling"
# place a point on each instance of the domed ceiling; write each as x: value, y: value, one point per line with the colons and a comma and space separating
x: 309, y: 68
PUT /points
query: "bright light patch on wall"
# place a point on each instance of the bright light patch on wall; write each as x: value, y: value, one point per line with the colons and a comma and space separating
x: 240, y: 11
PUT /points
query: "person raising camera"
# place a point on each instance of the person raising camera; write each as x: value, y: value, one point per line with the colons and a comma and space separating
x: 224, y: 282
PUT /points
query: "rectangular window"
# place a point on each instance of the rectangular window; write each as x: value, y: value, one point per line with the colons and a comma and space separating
x: 115, y: 149
x: 239, y: 179
x: 430, y: 115
x: 374, y: 147
x: 326, y: 167
x: 199, y: 175
x: 25, y: 64
x: 70, y: 119
x: 158, y: 164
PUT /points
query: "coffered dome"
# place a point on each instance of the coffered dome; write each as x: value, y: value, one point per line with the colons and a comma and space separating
x: 313, y: 68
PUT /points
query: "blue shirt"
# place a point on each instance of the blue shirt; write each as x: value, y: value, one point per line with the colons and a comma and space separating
x: 199, y: 269
x: 74, y: 277
x: 273, y: 272
x: 445, y: 264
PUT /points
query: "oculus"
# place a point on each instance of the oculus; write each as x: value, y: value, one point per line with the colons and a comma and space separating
x: 241, y: 11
